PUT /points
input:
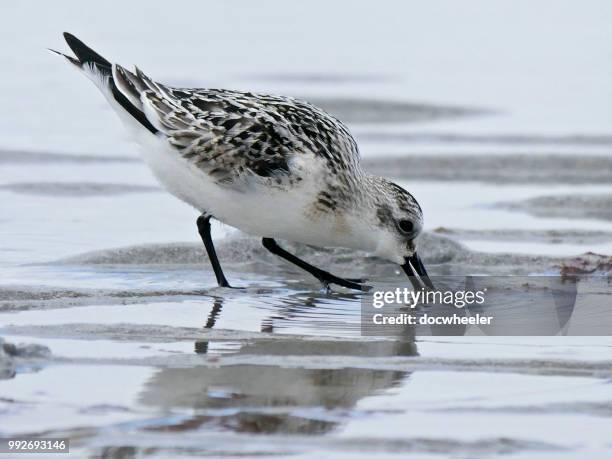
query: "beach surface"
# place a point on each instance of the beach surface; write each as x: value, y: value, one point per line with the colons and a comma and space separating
x: 113, y: 332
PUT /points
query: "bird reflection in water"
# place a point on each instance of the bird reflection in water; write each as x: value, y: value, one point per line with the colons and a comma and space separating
x: 297, y: 392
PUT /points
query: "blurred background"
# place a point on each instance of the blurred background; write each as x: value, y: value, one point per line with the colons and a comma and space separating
x: 539, y: 70
x: 442, y: 91
x: 497, y: 116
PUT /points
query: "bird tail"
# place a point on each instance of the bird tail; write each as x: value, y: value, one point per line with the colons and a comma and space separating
x: 100, y: 71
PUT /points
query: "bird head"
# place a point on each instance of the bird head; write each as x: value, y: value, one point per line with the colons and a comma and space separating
x: 397, y: 219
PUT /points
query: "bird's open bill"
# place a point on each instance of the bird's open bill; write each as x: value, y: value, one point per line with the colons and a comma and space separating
x: 416, y: 272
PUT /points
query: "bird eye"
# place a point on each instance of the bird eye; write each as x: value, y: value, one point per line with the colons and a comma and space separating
x: 406, y: 226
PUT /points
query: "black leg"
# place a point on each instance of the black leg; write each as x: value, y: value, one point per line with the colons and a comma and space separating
x: 204, y: 230
x: 324, y: 276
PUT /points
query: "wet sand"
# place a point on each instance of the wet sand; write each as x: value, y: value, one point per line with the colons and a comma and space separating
x: 115, y: 335
x: 578, y: 206
x: 190, y: 369
x: 76, y: 189
x: 499, y: 168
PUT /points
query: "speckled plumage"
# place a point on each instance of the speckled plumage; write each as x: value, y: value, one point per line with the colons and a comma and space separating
x: 238, y: 136
x: 270, y: 165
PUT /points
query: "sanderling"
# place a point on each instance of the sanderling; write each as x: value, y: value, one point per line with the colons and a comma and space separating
x: 271, y: 166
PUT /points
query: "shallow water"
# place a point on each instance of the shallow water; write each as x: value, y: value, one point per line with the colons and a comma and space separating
x: 149, y: 358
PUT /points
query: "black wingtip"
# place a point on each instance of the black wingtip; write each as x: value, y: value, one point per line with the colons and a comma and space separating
x: 86, y: 55
x: 70, y: 58
x: 84, y: 52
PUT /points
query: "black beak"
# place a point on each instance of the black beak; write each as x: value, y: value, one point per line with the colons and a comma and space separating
x: 416, y: 272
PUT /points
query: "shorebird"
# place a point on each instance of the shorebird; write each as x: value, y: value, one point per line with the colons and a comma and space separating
x: 272, y: 166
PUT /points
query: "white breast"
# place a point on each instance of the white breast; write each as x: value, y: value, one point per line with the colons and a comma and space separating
x: 257, y: 210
